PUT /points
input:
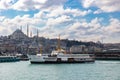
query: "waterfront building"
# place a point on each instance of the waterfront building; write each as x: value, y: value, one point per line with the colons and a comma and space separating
x: 6, y: 47
x: 78, y: 49
x: 94, y: 49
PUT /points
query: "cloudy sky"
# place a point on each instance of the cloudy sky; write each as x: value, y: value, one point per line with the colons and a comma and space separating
x: 85, y: 20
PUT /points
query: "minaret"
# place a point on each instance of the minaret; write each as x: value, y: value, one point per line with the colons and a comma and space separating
x: 27, y: 30
x: 37, y: 36
x: 21, y: 28
x: 31, y: 34
x: 37, y: 33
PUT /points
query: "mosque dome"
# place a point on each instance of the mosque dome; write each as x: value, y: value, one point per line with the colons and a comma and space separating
x: 18, y: 34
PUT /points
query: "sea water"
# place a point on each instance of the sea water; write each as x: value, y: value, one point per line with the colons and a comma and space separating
x: 24, y: 70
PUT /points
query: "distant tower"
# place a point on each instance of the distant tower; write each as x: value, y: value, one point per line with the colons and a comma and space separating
x: 27, y: 30
x: 31, y: 34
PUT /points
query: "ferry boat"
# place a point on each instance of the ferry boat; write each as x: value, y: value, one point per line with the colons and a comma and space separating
x: 8, y: 59
x: 58, y: 56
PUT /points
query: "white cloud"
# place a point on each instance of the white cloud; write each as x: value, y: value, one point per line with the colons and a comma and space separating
x: 103, y: 5
x: 98, y: 11
x: 94, y: 31
x: 12, y: 24
x: 5, y: 4
x: 53, y: 4
x: 40, y: 15
x: 113, y: 27
x: 79, y: 30
x: 75, y: 26
x: 86, y: 27
x: 87, y: 3
x: 85, y: 31
x: 58, y: 20
x: 26, y: 5
x: 2, y: 18
x: 53, y: 19
x: 71, y: 12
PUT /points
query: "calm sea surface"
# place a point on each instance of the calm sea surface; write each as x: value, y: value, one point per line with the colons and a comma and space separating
x: 23, y: 70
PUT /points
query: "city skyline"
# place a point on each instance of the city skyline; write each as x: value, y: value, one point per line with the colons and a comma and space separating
x: 85, y: 20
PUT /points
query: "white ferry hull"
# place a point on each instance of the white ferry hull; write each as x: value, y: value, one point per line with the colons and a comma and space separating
x: 61, y: 59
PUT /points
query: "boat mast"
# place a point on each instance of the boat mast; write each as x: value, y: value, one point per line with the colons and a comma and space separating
x: 41, y: 50
x: 59, y: 48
